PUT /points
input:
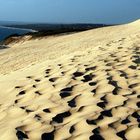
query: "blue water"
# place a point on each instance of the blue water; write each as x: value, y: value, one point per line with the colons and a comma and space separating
x: 7, y: 31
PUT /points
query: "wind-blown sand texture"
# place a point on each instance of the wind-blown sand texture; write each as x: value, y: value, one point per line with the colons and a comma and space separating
x: 84, y: 86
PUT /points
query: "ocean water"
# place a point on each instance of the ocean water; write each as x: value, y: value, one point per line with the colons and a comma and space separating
x: 7, y: 31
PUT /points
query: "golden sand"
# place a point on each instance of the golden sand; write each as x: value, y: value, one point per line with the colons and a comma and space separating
x: 83, y: 86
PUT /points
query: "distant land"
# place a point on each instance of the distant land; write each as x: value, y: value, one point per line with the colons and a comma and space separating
x: 10, y: 28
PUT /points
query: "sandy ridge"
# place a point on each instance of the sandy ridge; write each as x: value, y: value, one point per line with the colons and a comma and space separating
x: 90, y: 92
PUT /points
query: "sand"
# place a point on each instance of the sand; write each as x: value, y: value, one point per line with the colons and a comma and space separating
x: 73, y: 87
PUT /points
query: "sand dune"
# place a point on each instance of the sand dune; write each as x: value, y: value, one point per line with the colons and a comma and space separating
x: 73, y: 87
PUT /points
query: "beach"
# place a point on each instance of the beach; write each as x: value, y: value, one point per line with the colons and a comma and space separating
x: 72, y: 87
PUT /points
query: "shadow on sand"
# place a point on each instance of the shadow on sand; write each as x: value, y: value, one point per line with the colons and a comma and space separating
x: 3, y: 47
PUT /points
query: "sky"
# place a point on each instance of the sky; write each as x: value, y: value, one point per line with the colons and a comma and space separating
x: 70, y: 11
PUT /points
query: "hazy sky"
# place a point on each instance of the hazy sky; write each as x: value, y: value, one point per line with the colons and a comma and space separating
x: 70, y: 11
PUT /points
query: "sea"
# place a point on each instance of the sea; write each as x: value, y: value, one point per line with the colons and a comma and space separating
x: 7, y: 31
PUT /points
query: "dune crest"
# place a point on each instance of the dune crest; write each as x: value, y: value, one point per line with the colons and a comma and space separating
x: 75, y: 87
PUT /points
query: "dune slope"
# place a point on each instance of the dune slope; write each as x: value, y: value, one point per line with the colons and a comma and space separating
x: 74, y: 87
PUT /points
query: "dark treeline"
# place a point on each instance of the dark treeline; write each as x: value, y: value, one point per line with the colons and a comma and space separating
x: 49, y: 29
x: 40, y: 27
x: 53, y: 29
